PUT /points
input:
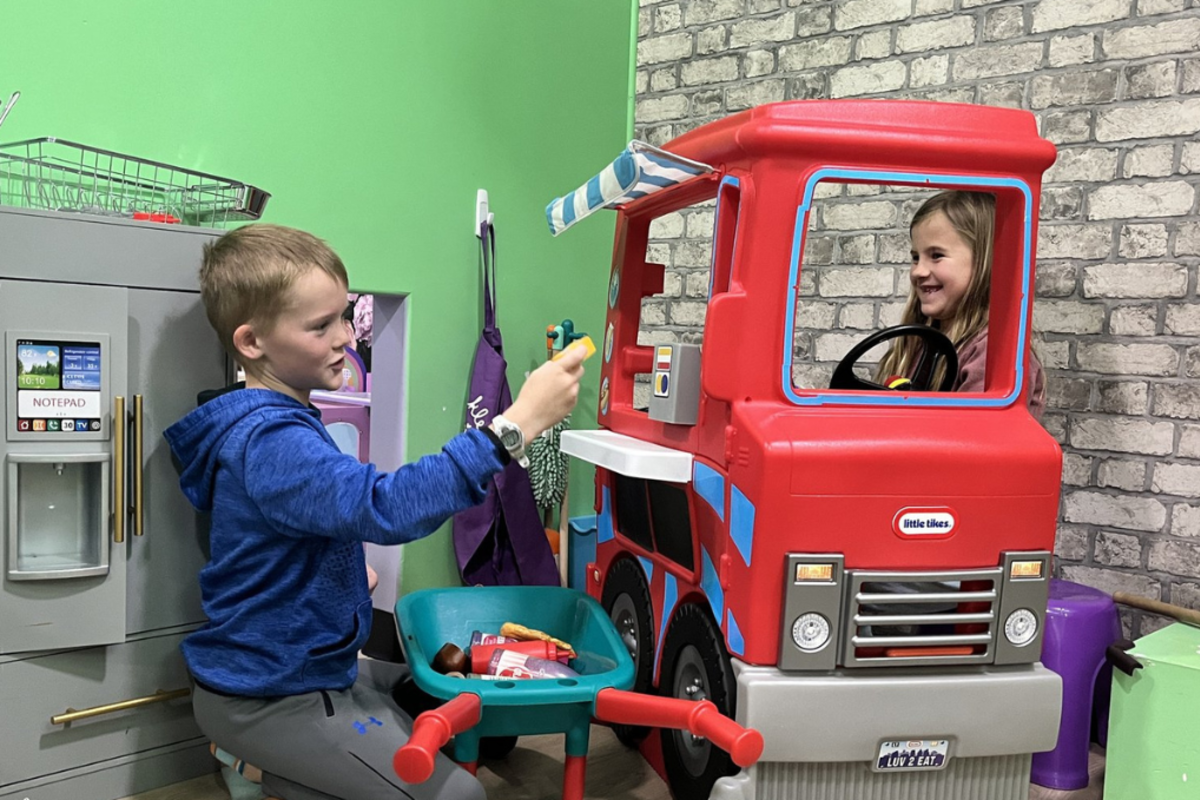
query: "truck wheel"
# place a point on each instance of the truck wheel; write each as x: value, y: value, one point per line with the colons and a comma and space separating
x: 695, y: 667
x: 626, y: 598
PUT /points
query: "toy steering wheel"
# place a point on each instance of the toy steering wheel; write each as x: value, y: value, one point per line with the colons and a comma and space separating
x: 937, y: 345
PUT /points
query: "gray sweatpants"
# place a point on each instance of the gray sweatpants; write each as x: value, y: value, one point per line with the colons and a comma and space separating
x: 329, y: 745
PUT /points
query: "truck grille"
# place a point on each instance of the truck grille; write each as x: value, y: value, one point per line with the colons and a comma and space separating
x: 920, y: 618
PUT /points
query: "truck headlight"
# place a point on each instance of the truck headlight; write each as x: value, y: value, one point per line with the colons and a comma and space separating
x: 810, y: 632
x: 1021, y: 627
x: 1026, y: 569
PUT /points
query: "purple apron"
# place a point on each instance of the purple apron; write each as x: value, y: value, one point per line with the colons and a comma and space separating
x: 501, y: 541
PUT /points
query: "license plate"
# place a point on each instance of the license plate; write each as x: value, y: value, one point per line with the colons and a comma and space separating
x: 912, y: 755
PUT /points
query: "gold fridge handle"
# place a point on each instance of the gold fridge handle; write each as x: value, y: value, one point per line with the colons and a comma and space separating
x: 71, y: 715
x: 137, y: 466
x: 118, y: 424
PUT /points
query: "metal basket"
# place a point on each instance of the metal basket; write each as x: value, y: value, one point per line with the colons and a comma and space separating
x: 58, y: 175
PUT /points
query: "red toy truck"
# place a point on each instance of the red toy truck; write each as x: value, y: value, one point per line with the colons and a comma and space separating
x: 860, y: 574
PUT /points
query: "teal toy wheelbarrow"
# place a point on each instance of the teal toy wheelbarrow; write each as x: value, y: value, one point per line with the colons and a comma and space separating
x: 476, y: 708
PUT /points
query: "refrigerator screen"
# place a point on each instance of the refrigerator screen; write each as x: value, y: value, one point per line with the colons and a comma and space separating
x: 58, y: 386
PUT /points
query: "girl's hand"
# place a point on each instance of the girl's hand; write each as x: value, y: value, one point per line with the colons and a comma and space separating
x: 549, y: 393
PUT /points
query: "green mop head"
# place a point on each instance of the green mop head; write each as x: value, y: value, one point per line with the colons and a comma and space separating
x: 548, y: 466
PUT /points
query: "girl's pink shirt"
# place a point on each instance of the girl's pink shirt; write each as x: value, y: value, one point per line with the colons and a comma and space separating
x: 972, y: 367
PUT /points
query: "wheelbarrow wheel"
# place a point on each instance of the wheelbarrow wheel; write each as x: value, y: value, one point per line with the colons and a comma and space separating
x: 695, y: 667
x: 496, y: 746
x: 626, y: 598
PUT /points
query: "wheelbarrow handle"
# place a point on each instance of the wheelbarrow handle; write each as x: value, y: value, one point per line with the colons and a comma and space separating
x: 414, y: 759
x: 744, y: 745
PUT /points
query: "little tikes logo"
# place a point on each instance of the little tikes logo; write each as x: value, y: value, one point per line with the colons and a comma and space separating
x: 931, y: 522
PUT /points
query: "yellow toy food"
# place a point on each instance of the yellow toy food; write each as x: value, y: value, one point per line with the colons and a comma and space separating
x: 584, y: 341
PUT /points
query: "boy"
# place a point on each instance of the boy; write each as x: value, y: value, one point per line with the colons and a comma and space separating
x: 285, y: 589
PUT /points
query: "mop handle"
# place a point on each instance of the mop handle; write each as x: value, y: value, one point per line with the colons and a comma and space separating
x: 1158, y: 607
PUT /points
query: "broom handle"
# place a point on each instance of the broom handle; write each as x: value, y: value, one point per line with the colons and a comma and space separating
x: 564, y: 541
x: 1158, y: 607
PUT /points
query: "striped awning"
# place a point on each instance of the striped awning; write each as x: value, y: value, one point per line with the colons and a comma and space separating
x: 641, y: 169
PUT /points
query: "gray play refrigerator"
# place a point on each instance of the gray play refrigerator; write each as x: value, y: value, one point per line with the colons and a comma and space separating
x: 105, y: 344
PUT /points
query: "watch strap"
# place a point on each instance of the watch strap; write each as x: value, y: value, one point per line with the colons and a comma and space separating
x: 501, y: 450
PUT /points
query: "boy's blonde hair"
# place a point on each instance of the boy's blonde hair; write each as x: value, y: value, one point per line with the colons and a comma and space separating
x: 246, y: 275
x: 973, y: 217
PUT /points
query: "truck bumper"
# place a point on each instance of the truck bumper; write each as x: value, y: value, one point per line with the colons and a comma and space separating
x: 823, y: 732
x: 845, y: 715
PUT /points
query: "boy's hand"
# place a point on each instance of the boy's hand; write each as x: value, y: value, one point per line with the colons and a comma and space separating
x: 549, y: 393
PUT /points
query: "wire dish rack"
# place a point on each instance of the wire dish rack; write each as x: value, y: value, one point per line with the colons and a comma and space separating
x: 57, y: 175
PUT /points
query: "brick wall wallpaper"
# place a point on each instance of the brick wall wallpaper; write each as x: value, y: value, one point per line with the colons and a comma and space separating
x: 1115, y: 84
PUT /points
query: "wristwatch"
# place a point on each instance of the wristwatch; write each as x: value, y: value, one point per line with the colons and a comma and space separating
x: 512, y: 437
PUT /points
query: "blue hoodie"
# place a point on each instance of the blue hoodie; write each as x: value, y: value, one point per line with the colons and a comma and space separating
x: 285, y: 588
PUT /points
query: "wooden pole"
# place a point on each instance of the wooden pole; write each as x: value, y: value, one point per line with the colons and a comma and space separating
x: 1180, y: 613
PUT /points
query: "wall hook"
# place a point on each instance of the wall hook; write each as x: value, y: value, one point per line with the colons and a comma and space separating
x: 481, y: 208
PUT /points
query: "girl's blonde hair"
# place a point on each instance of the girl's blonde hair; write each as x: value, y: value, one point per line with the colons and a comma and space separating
x: 973, y: 217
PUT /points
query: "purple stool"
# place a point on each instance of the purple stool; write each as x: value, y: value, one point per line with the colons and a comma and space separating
x: 1081, y: 622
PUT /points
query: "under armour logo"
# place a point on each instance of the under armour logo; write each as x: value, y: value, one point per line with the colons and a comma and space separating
x: 362, y: 729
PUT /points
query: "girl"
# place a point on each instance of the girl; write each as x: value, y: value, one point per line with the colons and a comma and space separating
x: 951, y: 279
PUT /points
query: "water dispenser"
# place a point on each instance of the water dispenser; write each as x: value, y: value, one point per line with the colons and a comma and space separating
x: 59, y: 483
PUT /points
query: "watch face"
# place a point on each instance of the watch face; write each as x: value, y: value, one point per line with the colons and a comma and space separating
x: 510, y: 438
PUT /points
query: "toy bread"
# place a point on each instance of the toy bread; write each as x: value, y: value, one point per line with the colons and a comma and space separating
x: 526, y: 634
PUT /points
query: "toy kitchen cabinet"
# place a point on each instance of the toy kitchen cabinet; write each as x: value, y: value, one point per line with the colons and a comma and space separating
x: 105, y: 343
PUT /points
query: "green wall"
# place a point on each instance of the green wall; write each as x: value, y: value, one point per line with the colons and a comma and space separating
x: 372, y: 123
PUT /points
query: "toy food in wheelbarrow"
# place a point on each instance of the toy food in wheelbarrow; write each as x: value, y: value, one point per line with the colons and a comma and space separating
x: 507, y: 655
x: 430, y: 618
x: 482, y: 656
x: 523, y: 634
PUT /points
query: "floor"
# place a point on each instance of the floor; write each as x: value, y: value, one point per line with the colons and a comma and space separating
x: 533, y: 771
